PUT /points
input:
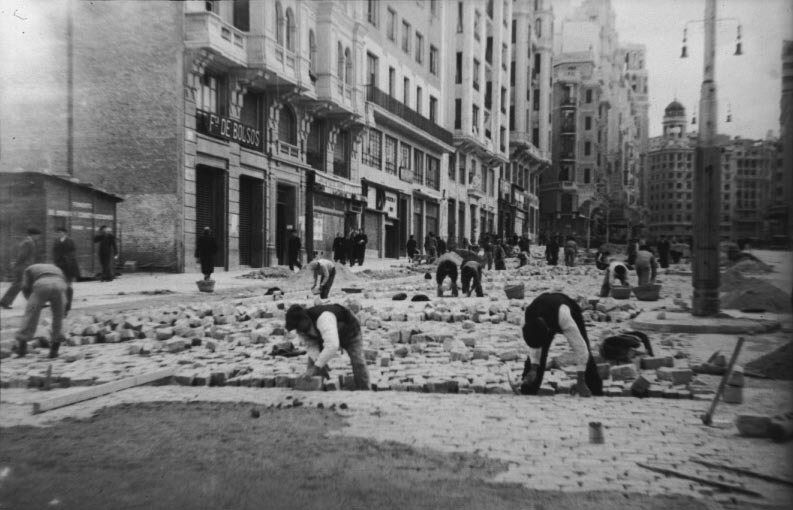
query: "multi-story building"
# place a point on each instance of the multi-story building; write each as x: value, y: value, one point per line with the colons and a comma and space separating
x: 529, y: 123
x: 635, y: 71
x: 596, y: 144
x: 256, y: 118
x: 779, y: 213
x: 670, y: 166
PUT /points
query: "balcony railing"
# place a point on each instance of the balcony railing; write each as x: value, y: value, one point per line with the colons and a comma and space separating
x: 287, y: 149
x: 380, y: 98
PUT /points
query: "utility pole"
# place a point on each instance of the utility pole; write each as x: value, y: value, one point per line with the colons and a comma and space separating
x: 707, y: 184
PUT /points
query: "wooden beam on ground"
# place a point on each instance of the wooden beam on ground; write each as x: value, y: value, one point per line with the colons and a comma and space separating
x: 744, y: 471
x: 102, y: 389
x: 685, y: 476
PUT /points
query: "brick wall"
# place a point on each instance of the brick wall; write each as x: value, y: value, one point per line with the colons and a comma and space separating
x: 127, y: 118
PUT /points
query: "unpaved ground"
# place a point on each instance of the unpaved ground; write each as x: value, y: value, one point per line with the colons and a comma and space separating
x: 211, y: 455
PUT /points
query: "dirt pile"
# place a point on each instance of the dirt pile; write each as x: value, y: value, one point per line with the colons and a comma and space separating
x: 777, y: 364
x: 741, y: 293
x: 749, y: 264
x: 267, y: 273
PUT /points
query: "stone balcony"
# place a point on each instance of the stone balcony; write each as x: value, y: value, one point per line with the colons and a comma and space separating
x: 207, y: 30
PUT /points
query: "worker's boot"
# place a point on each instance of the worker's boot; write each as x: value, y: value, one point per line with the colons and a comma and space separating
x: 54, y: 347
x: 22, y: 348
x: 580, y: 386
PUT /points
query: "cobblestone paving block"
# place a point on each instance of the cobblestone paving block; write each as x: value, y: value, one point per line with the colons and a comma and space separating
x: 175, y: 344
x: 675, y: 375
x: 624, y: 372
x: 653, y: 363
x: 640, y: 387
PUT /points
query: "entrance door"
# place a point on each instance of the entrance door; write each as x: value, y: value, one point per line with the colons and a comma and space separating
x: 286, y: 202
x: 211, y: 208
x: 404, y: 225
x: 251, y: 212
x: 392, y: 240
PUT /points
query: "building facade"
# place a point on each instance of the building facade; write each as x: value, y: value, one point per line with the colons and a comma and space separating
x: 591, y: 189
x: 258, y: 118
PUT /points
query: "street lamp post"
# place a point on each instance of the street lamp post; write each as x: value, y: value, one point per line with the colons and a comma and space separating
x: 707, y: 184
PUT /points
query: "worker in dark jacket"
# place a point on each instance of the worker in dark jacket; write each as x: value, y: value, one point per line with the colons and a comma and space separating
x: 325, y: 330
x: 552, y: 251
x: 42, y: 284
x: 108, y: 252
x: 411, y: 248
x: 471, y: 278
x: 64, y: 255
x: 446, y: 267
x: 548, y: 315
x: 338, y: 249
x: 205, y: 250
x: 293, y: 251
x: 25, y: 256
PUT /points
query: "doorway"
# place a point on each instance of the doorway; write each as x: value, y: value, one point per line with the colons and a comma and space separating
x: 211, y: 208
x: 285, y: 219
x: 251, y: 214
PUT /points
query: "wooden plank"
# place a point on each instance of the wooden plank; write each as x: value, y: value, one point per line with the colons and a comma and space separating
x: 744, y: 471
x: 685, y: 476
x: 102, y: 389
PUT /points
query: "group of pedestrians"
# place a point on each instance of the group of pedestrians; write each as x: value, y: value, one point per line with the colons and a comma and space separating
x: 51, y: 284
x: 350, y: 248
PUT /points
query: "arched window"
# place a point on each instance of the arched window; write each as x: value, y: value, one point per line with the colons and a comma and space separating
x: 312, y: 52
x: 340, y: 67
x: 348, y: 66
x: 538, y: 27
x: 290, y: 30
x: 279, y: 23
x: 287, y: 126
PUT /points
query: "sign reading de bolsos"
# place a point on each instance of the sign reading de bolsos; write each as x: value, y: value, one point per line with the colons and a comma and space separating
x: 229, y: 129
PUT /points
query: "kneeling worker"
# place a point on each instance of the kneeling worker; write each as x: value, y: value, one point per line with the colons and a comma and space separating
x: 324, y: 272
x: 471, y: 278
x: 325, y: 329
x: 446, y: 267
x: 547, y: 315
x: 616, y: 273
x: 42, y: 284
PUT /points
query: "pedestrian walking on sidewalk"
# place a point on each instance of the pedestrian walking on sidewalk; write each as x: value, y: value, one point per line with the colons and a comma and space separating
x: 26, y: 254
x: 108, y: 252
x: 64, y: 255
x: 206, y: 248
x: 411, y: 248
x: 646, y: 266
x: 548, y: 315
x: 446, y: 267
x: 471, y: 278
x: 570, y: 251
x: 324, y: 272
x: 326, y: 329
x: 360, y: 246
x: 338, y: 249
x: 499, y: 255
x: 42, y: 284
x: 552, y: 251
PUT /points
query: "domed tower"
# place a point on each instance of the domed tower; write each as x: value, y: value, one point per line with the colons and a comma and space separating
x: 674, y: 120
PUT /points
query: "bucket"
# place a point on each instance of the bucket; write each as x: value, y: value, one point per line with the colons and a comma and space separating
x: 648, y: 292
x: 206, y: 285
x: 595, y: 432
x: 514, y: 291
x: 620, y: 292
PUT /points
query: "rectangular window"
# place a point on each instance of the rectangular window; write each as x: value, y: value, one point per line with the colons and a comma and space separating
x: 475, y: 119
x: 511, y: 117
x: 406, y: 91
x: 512, y: 73
x: 419, y: 48
x: 372, y: 65
x: 477, y: 22
x: 405, y: 36
x: 459, y: 17
x: 418, y: 166
x: 404, y: 158
x: 391, y: 28
x: 433, y: 179
x: 587, y: 148
x: 371, y: 11
x: 391, y: 81
x: 589, y: 95
x: 373, y: 156
x: 390, y: 155
x: 502, y: 139
x: 458, y: 68
x: 504, y: 57
x: 514, y: 31
x: 434, y: 109
x: 476, y: 74
x: 588, y: 123
x: 433, y: 60
x: 458, y: 114
x: 462, y: 159
x: 419, y: 99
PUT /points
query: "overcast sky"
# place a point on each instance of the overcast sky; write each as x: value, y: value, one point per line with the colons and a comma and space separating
x: 750, y: 85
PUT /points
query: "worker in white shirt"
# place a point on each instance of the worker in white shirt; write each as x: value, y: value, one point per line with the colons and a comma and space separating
x: 325, y: 330
x: 616, y: 274
x: 546, y: 316
x: 324, y: 272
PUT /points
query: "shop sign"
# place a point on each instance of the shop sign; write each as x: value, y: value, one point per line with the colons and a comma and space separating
x: 225, y: 128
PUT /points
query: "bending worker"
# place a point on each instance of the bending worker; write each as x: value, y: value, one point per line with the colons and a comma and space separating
x: 326, y: 329
x: 616, y: 274
x: 548, y: 315
x: 471, y: 278
x: 42, y: 284
x: 446, y: 267
x: 646, y: 266
x: 324, y: 272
